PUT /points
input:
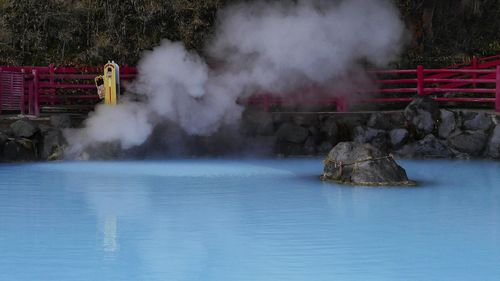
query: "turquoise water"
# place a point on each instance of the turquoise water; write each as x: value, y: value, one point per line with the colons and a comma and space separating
x: 246, y: 220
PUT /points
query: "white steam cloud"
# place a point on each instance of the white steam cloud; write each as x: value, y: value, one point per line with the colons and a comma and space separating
x: 278, y: 47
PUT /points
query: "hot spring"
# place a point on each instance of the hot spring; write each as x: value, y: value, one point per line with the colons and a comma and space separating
x: 234, y: 219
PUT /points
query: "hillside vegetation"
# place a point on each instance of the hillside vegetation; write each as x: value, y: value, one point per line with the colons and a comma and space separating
x: 89, y: 32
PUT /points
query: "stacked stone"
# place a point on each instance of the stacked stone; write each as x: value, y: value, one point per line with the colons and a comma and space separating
x: 25, y: 140
x: 422, y: 130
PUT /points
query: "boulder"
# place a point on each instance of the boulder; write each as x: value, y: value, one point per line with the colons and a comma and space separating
x: 493, y: 146
x: 288, y: 148
x: 325, y: 147
x: 428, y: 147
x: 362, y: 134
x: 474, y: 121
x: 448, y: 123
x: 362, y: 164
x: 281, y: 118
x: 398, y: 137
x: 57, y: 154
x: 99, y: 151
x: 61, y: 121
x: 292, y: 133
x: 305, y: 120
x: 52, y: 142
x: 351, y: 121
x: 379, y: 121
x: 258, y: 123
x: 3, y: 140
x: 422, y: 114
x: 24, y: 128
x: 330, y: 129
x: 376, y: 137
x: 386, y: 121
x: 19, y: 150
x: 314, y: 131
x: 310, y: 146
x: 260, y: 145
x: 470, y: 142
x: 8, y: 131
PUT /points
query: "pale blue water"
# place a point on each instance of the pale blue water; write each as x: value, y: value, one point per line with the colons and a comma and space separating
x: 246, y: 220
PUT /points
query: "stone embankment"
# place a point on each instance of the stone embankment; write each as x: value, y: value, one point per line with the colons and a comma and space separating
x: 422, y: 130
x: 25, y: 139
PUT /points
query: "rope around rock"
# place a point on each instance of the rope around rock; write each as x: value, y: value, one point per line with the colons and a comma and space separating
x: 340, y: 164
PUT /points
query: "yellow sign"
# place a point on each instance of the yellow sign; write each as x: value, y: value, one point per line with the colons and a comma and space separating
x: 111, y: 83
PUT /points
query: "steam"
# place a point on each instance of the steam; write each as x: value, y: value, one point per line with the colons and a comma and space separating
x: 275, y: 47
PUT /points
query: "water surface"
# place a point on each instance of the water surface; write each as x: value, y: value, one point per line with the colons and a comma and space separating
x: 246, y: 220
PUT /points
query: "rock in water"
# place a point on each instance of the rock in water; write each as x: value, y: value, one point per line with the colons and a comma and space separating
x: 363, y: 164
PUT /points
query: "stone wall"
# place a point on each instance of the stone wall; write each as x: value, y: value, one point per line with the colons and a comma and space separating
x: 24, y: 139
x: 422, y: 130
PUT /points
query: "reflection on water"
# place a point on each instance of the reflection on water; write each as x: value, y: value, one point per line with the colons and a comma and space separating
x: 110, y: 243
x: 245, y: 220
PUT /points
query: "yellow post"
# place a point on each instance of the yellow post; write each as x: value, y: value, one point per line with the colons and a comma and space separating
x: 111, y: 83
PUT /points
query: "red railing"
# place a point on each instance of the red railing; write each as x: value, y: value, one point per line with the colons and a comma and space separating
x: 55, y: 88
x: 42, y: 89
x: 476, y: 83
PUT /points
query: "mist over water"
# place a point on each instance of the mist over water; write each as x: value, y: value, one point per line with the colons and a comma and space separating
x: 278, y: 47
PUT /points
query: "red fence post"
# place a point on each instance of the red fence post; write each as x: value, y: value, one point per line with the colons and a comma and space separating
x: 266, y: 104
x: 51, y: 75
x: 32, y: 94
x: 474, y: 62
x: 474, y: 66
x: 1, y: 91
x: 420, y: 80
x: 23, y: 94
x: 341, y: 102
x: 35, y: 106
x: 497, y: 92
x: 52, y: 91
x: 126, y: 70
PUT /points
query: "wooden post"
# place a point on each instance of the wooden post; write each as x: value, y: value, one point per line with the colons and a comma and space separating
x: 126, y: 70
x: 36, y: 106
x: 1, y: 91
x: 266, y: 103
x: 31, y: 96
x: 497, y: 92
x: 420, y: 81
x: 23, y: 94
x: 341, y: 102
x: 474, y: 66
x: 51, y: 75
